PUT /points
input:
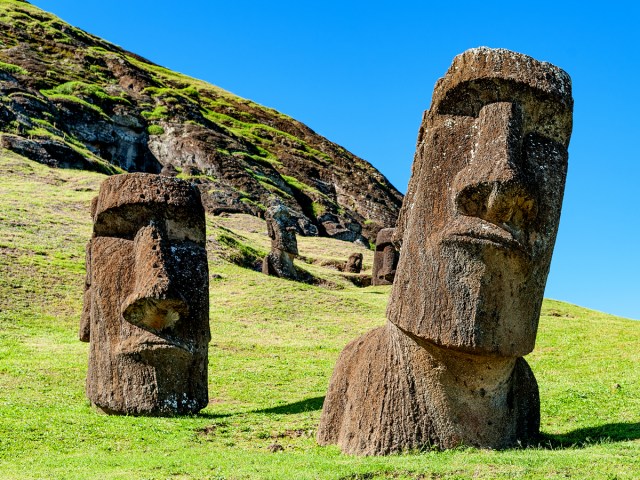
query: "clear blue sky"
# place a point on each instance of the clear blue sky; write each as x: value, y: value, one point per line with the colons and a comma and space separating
x: 361, y: 73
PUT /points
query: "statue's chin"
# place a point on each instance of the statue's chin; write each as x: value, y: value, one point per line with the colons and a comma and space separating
x: 484, y: 299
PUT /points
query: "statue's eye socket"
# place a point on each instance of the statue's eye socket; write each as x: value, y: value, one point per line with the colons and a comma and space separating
x: 125, y: 222
x: 122, y: 222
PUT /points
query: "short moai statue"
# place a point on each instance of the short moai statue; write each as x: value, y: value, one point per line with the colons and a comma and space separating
x: 354, y: 263
x: 478, y: 226
x: 385, y: 258
x: 281, y: 228
x: 146, y: 301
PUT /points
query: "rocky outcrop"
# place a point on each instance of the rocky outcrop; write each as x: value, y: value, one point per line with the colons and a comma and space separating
x: 76, y: 100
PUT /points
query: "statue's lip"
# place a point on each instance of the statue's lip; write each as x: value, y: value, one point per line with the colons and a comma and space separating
x: 129, y: 348
x: 150, y: 345
x: 483, y: 232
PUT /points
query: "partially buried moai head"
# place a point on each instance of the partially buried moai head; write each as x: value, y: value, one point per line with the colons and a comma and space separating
x: 482, y: 209
x: 146, y: 311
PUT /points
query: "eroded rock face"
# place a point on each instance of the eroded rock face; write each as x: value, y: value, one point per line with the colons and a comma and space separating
x: 478, y: 227
x: 146, y: 301
x: 354, y: 263
x: 385, y: 260
x: 281, y: 227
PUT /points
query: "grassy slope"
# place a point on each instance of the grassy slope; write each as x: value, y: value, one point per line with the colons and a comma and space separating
x: 273, y: 348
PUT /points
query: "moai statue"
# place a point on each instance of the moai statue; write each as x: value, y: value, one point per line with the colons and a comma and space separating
x: 478, y: 226
x: 281, y: 227
x: 146, y: 303
x: 354, y: 263
x: 385, y: 259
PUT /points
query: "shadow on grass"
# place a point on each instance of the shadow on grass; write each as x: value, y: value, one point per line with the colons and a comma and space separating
x: 214, y: 415
x: 584, y: 437
x: 307, y: 405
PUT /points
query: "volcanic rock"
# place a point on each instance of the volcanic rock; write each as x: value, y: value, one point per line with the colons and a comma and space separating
x: 281, y: 228
x: 146, y: 301
x: 385, y: 259
x: 478, y: 226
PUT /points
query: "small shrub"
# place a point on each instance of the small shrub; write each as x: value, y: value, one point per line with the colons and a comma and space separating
x: 318, y: 209
x: 158, y: 113
x: 96, y: 69
x: 155, y: 130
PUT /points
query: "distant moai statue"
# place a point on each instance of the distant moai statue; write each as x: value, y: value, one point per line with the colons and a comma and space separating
x: 281, y: 228
x: 146, y: 301
x: 385, y: 258
x: 354, y: 263
x: 478, y: 226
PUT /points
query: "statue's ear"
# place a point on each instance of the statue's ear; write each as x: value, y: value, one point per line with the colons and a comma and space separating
x: 94, y: 206
x: 85, y: 318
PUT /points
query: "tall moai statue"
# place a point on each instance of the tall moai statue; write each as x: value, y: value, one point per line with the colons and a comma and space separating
x: 281, y: 228
x: 385, y: 258
x: 478, y: 226
x: 146, y: 303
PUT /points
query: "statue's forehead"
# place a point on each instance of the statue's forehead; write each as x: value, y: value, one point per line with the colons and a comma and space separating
x: 155, y: 192
x: 128, y: 202
x: 481, y: 76
x: 499, y: 65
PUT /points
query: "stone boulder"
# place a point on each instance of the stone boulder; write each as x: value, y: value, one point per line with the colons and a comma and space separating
x: 146, y: 300
x: 478, y: 226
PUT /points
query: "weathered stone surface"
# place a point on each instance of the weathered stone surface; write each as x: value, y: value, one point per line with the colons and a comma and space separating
x: 478, y: 227
x: 385, y: 260
x: 281, y: 228
x: 146, y: 303
x: 354, y: 263
x: 391, y: 391
x: 48, y: 151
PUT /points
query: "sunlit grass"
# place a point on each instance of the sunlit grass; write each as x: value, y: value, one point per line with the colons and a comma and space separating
x: 273, y: 349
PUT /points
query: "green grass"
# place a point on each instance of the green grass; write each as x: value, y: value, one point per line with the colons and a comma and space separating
x: 82, y: 89
x: 71, y: 98
x: 274, y: 346
x: 13, y: 69
x: 160, y: 112
x: 155, y: 130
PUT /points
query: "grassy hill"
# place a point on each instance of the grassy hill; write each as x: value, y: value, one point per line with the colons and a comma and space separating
x: 69, y: 98
x: 273, y: 349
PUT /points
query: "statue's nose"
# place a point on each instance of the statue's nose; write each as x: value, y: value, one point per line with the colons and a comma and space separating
x: 494, y: 186
x: 155, y: 302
